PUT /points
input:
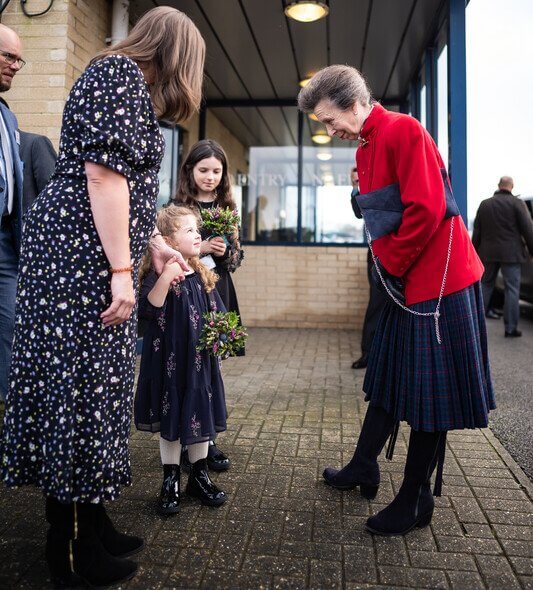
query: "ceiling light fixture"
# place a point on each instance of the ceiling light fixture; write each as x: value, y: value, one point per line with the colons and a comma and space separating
x: 321, y: 138
x: 307, y: 11
x: 313, y: 117
x: 303, y: 83
x: 324, y: 156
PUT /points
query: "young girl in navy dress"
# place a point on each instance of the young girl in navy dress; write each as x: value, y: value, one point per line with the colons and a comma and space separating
x: 180, y: 393
x: 204, y: 183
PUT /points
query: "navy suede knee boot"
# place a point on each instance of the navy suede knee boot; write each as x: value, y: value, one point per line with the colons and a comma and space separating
x: 413, y: 505
x: 363, y: 469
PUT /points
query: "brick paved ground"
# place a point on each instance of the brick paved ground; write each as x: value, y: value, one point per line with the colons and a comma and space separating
x: 296, y: 406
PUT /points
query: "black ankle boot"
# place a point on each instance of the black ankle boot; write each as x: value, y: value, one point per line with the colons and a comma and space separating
x: 74, y: 552
x: 185, y: 464
x: 115, y: 543
x: 216, y: 460
x: 169, y: 498
x: 363, y: 469
x: 413, y: 505
x: 200, y: 485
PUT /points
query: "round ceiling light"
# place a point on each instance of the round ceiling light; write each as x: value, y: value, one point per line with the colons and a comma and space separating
x: 321, y: 138
x: 306, y: 11
x: 324, y: 156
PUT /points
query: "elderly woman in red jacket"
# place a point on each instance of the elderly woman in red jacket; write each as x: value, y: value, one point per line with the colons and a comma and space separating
x: 428, y: 364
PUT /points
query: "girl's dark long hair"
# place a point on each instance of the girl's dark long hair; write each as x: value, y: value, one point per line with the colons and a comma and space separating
x: 187, y: 191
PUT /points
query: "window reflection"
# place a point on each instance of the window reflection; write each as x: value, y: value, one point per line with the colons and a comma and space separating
x: 169, y: 166
x: 271, y: 203
x: 442, y: 85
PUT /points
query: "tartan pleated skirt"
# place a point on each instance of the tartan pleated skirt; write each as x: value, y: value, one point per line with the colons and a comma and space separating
x: 432, y: 386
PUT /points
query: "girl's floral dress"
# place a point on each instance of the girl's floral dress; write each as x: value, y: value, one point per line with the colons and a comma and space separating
x: 180, y: 391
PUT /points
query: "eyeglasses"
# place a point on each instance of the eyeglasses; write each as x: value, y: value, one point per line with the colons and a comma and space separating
x: 11, y: 59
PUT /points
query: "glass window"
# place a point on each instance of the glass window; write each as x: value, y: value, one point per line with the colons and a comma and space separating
x: 442, y: 77
x: 168, y: 175
x: 327, y: 211
x: 271, y: 207
x: 423, y: 119
x: 262, y: 148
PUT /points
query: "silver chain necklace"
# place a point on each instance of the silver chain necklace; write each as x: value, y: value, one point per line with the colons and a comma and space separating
x: 435, y: 314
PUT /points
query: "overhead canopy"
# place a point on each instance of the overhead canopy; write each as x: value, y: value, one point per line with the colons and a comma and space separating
x: 255, y: 53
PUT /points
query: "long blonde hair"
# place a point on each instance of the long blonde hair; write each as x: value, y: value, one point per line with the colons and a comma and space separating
x: 169, y: 41
x: 169, y: 219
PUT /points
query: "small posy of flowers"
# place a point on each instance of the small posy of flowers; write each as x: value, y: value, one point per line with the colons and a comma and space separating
x: 220, y: 221
x: 222, y: 335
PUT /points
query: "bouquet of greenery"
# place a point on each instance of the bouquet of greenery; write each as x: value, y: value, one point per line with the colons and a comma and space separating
x: 221, y: 221
x: 222, y: 334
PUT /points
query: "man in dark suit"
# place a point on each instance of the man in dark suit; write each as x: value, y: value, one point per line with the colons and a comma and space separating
x: 377, y: 298
x: 502, y: 230
x: 10, y: 200
x: 39, y: 157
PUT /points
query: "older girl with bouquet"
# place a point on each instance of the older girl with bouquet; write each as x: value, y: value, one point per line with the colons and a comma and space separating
x: 204, y: 184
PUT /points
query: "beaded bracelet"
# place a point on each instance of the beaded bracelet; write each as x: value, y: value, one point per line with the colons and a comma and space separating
x: 118, y: 270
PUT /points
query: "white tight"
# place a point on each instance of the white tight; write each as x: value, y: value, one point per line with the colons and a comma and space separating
x: 171, y: 451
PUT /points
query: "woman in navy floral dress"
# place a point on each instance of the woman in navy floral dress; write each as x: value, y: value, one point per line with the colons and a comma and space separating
x: 68, y: 410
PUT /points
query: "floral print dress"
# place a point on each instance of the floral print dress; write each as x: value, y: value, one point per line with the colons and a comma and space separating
x: 180, y: 391
x: 68, y: 409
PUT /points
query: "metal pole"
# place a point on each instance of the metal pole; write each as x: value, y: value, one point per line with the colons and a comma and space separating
x: 457, y: 103
x: 431, y: 92
x: 300, y: 173
x: 120, y: 20
x: 202, y: 121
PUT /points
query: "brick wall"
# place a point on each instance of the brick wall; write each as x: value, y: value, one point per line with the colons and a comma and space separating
x: 302, y: 287
x: 39, y: 90
x: 89, y: 25
x: 235, y: 150
x: 57, y: 47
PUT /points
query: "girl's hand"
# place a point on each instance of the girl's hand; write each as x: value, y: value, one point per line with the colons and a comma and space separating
x: 218, y: 246
x: 172, y: 271
x: 123, y: 300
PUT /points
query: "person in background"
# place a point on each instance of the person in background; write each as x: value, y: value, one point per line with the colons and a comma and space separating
x: 503, y: 238
x: 376, y: 299
x: 39, y: 157
x: 204, y: 183
x: 39, y: 160
x: 11, y: 201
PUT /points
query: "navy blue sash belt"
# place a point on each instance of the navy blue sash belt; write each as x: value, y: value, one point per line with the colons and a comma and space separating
x: 383, y: 209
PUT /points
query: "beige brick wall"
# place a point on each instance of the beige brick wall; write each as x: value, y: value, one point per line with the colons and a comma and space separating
x: 302, y: 287
x: 39, y: 90
x: 57, y: 47
x: 235, y: 150
x: 237, y: 153
x: 89, y: 25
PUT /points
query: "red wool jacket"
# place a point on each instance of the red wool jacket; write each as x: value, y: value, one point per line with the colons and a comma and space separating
x: 395, y: 148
